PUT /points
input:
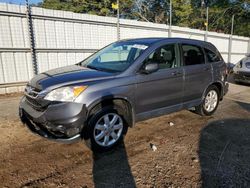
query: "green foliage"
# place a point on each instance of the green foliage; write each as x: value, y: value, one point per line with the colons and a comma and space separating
x: 97, y: 7
x: 182, y: 12
x: 186, y: 13
x: 220, y: 16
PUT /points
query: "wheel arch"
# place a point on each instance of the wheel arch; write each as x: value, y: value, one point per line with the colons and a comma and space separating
x: 219, y: 85
x: 220, y: 88
x: 123, y: 102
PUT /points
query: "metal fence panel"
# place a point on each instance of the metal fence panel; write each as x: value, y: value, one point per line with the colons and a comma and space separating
x: 5, y: 33
x: 63, y: 38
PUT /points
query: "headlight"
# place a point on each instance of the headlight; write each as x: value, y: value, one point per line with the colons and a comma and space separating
x: 68, y: 94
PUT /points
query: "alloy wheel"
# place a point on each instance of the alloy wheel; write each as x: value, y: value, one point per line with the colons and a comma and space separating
x: 108, y: 129
x: 211, y: 101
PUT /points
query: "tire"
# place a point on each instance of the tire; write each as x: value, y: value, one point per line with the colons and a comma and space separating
x: 100, y: 137
x: 203, y: 109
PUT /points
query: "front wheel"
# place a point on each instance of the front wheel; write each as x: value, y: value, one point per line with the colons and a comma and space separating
x: 210, y: 102
x: 105, y: 129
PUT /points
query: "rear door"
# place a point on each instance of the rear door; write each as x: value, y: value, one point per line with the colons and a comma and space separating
x: 164, y: 87
x: 197, y: 74
x: 218, y: 65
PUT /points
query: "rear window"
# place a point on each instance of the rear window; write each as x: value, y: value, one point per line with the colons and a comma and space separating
x: 211, y: 56
x: 192, y: 55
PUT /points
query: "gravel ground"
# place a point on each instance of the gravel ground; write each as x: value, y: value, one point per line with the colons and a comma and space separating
x: 193, y: 152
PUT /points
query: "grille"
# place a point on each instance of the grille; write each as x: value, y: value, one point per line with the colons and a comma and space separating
x: 37, y: 104
x: 33, y: 102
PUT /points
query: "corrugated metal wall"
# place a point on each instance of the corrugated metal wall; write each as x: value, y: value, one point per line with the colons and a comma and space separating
x: 64, y: 38
x: 15, y: 57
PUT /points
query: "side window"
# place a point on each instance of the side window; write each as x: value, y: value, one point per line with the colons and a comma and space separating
x: 165, y: 56
x: 192, y: 55
x: 211, y: 56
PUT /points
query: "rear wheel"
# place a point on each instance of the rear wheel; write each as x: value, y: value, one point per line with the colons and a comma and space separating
x: 105, y: 129
x: 210, y: 102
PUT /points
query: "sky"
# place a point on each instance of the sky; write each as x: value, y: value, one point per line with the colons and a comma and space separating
x: 20, y: 2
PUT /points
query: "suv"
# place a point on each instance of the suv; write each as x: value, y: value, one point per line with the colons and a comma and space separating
x: 128, y: 81
x: 241, y: 71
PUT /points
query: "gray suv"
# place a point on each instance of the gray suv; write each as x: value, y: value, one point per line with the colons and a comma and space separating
x: 128, y: 81
x: 241, y: 71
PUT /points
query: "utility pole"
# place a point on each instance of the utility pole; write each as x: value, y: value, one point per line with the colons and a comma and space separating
x: 206, y: 23
x: 170, y: 19
x: 232, y: 26
x: 117, y: 8
x: 231, y: 41
x: 204, y: 5
x: 118, y: 20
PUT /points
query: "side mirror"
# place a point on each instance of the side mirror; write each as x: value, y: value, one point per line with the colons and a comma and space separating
x: 150, y: 68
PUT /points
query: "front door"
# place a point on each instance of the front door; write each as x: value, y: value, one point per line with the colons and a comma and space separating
x: 164, y: 87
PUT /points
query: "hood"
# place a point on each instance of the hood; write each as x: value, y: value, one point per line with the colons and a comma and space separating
x: 66, y: 75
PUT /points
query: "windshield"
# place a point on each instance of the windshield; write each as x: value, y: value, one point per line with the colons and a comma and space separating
x: 116, y: 57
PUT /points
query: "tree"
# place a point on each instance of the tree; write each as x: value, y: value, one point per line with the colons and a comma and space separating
x: 182, y: 12
x: 220, y: 14
x: 158, y: 11
x: 152, y: 11
x: 97, y: 7
x: 186, y: 13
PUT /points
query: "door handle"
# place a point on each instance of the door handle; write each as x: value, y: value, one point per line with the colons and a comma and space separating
x: 206, y: 69
x: 176, y: 73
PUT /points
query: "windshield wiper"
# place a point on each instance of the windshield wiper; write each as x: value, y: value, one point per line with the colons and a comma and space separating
x: 102, y: 69
x: 95, y: 68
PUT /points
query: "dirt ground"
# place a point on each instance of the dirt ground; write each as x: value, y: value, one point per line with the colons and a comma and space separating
x: 194, y: 152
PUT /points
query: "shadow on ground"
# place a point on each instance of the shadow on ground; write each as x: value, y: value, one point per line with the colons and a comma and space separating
x: 245, y: 106
x: 112, y: 169
x: 224, y: 153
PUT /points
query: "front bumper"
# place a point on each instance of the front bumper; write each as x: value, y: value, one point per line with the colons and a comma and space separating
x: 242, y: 76
x: 61, y: 122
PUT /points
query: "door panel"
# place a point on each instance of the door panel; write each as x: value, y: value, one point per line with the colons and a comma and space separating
x: 162, y: 88
x: 197, y: 78
x: 159, y: 89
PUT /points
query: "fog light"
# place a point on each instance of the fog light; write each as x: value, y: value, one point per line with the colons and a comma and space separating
x: 72, y: 131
